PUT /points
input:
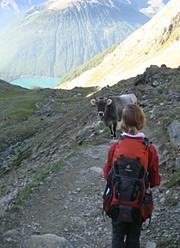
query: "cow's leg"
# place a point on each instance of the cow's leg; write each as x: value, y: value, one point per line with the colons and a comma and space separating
x: 114, y: 129
x: 111, y: 130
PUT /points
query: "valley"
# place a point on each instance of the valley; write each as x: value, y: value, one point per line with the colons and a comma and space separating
x: 53, y: 149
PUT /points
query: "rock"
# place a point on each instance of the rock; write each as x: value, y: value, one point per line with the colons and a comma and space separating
x: 155, y: 83
x: 174, y: 133
x: 49, y: 240
x: 6, y: 202
x: 12, y: 235
x: 151, y: 244
x: 97, y: 169
x: 177, y: 163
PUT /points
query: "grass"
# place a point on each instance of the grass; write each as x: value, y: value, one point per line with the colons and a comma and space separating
x: 37, y: 177
x: 174, y: 179
x: 3, y: 190
x: 25, y: 120
x: 19, y: 108
x: 173, y: 36
x: 167, y: 243
x: 22, y: 156
x: 170, y: 201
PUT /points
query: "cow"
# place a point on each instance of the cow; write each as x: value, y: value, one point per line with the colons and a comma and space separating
x: 110, y: 109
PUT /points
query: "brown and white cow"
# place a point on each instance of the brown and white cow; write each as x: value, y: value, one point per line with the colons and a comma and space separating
x: 110, y: 109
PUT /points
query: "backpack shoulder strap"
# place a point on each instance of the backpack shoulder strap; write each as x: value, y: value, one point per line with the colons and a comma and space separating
x: 146, y: 142
x: 121, y: 137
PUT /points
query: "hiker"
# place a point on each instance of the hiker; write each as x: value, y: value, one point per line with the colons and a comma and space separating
x: 126, y: 232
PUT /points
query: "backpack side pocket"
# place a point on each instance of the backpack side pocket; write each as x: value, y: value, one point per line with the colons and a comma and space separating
x: 107, y: 199
x: 147, y: 206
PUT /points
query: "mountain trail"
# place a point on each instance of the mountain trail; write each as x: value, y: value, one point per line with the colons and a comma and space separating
x: 68, y: 208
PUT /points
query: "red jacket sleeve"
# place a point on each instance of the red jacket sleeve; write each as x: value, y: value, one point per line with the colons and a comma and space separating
x: 153, y: 167
x: 109, y: 162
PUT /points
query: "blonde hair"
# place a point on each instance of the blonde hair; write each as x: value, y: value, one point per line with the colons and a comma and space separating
x: 133, y: 119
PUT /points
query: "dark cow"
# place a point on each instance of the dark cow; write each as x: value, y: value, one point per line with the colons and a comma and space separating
x: 110, y: 109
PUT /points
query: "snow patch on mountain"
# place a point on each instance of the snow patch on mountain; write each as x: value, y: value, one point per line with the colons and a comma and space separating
x: 154, y: 7
x: 59, y: 5
x: 6, y: 4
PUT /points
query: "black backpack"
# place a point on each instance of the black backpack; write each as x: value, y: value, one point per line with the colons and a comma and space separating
x: 127, y: 183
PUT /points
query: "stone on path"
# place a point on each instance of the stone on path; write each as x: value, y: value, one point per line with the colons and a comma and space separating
x: 97, y: 169
x: 174, y: 133
x: 49, y: 241
x: 151, y: 244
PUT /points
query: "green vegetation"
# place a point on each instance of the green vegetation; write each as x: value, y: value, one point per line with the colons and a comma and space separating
x: 166, y: 243
x: 95, y: 61
x: 20, y: 107
x: 170, y: 201
x: 37, y: 177
x: 174, y: 179
x: 22, y: 156
x: 28, y: 116
x: 22, y: 197
x: 170, y: 38
x: 41, y: 173
x: 3, y: 190
x: 18, y: 119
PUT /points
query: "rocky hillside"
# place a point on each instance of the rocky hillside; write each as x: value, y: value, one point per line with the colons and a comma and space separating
x: 155, y: 43
x: 47, y: 134
x: 54, y: 38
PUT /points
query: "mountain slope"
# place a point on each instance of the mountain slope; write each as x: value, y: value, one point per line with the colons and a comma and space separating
x: 157, y: 42
x: 52, y: 39
x: 52, y: 146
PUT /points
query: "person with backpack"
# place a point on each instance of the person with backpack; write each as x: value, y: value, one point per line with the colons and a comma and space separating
x: 131, y: 171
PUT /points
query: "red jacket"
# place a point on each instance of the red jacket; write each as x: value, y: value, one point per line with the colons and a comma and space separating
x: 153, y: 164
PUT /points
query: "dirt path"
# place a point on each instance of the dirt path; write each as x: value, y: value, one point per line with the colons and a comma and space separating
x: 68, y: 204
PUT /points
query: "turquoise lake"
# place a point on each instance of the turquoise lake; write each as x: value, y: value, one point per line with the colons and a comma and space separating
x: 28, y: 83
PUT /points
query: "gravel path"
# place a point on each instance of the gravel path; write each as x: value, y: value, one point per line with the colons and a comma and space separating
x: 68, y: 204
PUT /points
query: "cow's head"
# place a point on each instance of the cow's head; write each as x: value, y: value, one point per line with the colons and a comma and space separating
x: 101, y: 103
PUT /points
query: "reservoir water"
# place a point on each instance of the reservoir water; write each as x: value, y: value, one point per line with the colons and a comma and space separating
x: 29, y: 83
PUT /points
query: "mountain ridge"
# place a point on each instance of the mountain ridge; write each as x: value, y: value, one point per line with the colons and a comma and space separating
x: 43, y: 42
x: 10, y: 9
x: 140, y: 50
